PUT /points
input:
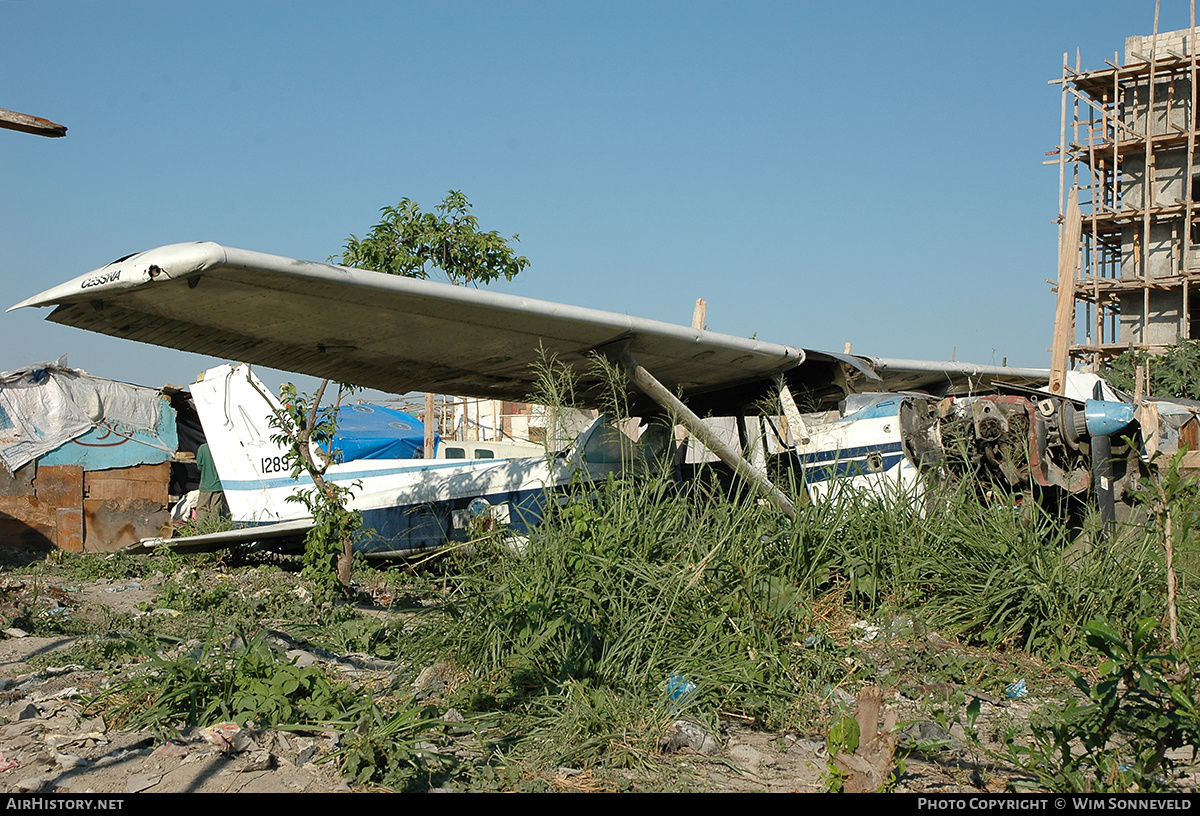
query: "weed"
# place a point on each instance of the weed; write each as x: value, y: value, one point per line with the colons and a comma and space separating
x: 205, y: 525
x: 244, y: 681
x: 843, y: 738
x: 112, y: 566
x: 358, y: 635
x: 383, y: 749
x: 1118, y: 740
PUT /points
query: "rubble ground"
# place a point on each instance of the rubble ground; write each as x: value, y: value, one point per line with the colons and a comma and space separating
x: 61, y: 649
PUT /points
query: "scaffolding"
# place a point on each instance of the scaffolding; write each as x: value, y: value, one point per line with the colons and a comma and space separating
x: 469, y: 419
x: 1128, y: 147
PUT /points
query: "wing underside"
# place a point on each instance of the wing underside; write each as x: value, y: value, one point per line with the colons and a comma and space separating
x: 399, y: 334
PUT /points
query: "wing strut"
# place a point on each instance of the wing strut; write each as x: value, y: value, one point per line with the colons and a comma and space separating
x: 655, y: 390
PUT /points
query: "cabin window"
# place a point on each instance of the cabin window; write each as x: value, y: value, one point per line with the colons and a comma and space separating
x: 483, y: 453
x: 456, y: 453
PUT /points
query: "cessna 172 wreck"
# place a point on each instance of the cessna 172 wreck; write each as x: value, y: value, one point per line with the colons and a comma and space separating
x: 877, y: 421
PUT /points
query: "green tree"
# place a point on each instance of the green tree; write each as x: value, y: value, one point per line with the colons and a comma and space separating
x: 411, y: 243
x: 307, y: 431
x: 405, y: 242
x: 1175, y: 374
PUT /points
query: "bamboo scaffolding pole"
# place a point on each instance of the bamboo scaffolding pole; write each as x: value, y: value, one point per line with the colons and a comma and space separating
x: 1148, y: 179
x: 1190, y: 171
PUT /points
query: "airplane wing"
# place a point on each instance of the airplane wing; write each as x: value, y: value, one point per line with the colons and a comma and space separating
x: 212, y: 542
x: 952, y: 378
x: 400, y: 334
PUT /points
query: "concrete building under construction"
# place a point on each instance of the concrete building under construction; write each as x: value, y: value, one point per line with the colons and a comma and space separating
x: 1128, y: 149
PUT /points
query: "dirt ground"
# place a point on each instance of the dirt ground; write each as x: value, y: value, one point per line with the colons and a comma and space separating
x: 49, y: 744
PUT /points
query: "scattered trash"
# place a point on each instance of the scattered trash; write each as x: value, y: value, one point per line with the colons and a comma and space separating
x: 833, y: 693
x: 679, y: 688
x: 1017, y: 690
x: 925, y: 731
x: 814, y: 747
x: 937, y: 640
x: 8, y: 764
x: 227, y: 736
x: 141, y: 782
x: 259, y: 760
x: 170, y: 749
x: 869, y: 631
x: 301, y: 658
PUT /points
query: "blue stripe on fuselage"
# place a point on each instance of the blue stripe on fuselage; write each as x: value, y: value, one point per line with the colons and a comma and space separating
x: 848, y: 453
x: 269, y: 483
x: 849, y: 462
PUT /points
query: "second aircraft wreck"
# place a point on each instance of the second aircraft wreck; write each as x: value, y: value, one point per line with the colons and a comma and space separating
x: 871, y: 421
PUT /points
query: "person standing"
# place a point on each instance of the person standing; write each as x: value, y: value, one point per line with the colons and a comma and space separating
x: 211, y: 501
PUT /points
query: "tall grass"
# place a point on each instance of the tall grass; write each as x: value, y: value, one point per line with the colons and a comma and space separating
x: 633, y: 580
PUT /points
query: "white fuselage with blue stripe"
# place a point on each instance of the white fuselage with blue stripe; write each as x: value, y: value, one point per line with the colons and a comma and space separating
x: 863, y: 451
x: 406, y: 504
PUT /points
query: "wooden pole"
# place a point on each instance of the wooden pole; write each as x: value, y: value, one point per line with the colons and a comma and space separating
x: 429, y: 423
x: 1064, y: 312
x: 753, y: 476
x: 11, y: 120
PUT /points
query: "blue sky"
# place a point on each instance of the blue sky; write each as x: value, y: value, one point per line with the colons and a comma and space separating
x: 818, y: 172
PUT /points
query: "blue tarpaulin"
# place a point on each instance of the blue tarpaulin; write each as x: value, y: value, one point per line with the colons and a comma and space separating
x: 378, y: 432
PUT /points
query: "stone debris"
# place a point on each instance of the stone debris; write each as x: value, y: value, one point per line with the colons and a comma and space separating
x: 687, y: 735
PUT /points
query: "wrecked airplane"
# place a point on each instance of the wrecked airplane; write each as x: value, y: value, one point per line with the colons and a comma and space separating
x: 406, y: 503
x: 888, y: 421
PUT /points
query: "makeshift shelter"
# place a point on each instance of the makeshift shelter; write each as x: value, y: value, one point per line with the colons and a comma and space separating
x: 86, y: 462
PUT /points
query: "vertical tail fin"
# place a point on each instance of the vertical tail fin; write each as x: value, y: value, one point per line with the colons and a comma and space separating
x: 235, y: 409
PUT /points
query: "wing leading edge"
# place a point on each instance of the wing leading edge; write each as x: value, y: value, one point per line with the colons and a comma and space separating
x: 399, y: 334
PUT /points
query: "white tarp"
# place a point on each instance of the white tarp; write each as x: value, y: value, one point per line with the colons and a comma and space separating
x: 46, y: 405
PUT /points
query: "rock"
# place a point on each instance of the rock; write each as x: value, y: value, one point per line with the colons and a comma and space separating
x: 27, y: 712
x: 683, y: 734
x: 750, y: 758
x: 141, y: 782
x: 69, y: 761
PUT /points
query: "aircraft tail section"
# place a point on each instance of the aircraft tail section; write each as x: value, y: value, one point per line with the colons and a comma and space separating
x: 235, y: 409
